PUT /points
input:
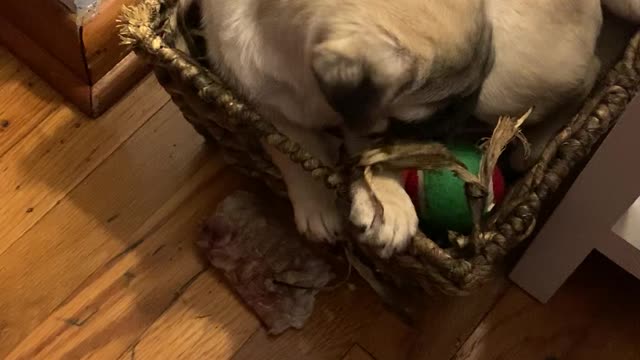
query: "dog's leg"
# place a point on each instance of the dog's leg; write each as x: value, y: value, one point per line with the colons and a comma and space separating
x: 391, y: 227
x: 314, y: 205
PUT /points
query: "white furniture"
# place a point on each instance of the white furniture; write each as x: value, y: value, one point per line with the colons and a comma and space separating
x: 583, y: 222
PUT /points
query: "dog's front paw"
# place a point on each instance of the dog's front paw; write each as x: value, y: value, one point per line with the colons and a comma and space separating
x: 390, y: 228
x: 317, y: 217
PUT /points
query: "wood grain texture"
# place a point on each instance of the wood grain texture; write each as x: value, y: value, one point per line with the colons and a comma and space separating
x: 111, y: 87
x: 21, y: 86
x: 103, y: 48
x: 519, y: 327
x: 358, y: 353
x: 59, y: 153
x: 387, y: 337
x: 63, y: 44
x: 118, y: 303
x: 104, y: 216
x: 8, y: 65
x: 207, y: 322
x: 73, y: 87
x: 448, y: 322
x: 86, y: 60
x: 614, y: 333
x: 338, y: 319
x: 89, y: 48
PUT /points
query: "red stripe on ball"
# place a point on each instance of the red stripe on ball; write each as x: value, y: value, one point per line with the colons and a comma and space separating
x: 498, y: 186
x: 412, y: 184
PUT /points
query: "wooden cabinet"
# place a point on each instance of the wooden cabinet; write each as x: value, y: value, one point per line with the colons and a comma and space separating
x: 76, y: 50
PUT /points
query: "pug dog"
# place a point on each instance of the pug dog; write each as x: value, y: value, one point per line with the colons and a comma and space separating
x: 353, y: 65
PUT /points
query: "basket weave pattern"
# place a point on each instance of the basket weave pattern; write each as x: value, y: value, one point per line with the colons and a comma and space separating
x: 223, y: 117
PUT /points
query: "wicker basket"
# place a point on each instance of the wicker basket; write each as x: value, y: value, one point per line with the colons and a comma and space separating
x: 221, y: 116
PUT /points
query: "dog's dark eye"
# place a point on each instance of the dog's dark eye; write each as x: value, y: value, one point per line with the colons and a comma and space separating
x: 428, y: 129
x: 376, y: 135
x: 402, y: 126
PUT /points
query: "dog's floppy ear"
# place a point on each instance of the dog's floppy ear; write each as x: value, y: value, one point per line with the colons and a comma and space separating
x: 347, y: 84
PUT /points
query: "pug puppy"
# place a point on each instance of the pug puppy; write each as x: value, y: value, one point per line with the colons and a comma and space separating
x: 359, y: 66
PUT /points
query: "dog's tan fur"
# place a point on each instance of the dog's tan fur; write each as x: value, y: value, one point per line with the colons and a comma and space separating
x: 545, y: 56
x: 312, y: 64
x: 416, y: 54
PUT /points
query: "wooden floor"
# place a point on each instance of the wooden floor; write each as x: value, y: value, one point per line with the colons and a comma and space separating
x: 97, y: 222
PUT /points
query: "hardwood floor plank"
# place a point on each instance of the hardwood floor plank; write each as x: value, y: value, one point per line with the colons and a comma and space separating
x: 8, y: 65
x: 449, y: 321
x: 207, y: 322
x: 60, y: 152
x: 439, y: 331
x: 387, y: 337
x: 357, y: 353
x: 521, y: 328
x: 338, y: 319
x: 105, y: 215
x: 119, y: 302
x: 25, y: 101
x: 614, y: 333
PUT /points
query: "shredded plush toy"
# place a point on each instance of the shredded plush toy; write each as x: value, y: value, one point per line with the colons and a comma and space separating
x: 265, y: 260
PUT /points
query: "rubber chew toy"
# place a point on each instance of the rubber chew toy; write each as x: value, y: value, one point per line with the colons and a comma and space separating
x: 439, y: 196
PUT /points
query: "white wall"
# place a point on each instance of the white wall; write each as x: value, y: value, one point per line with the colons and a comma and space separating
x: 628, y: 226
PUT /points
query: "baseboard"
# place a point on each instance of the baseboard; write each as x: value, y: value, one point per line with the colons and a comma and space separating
x: 101, y: 39
x: 114, y: 84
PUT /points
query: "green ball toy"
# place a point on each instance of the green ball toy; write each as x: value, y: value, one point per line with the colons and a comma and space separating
x: 439, y: 196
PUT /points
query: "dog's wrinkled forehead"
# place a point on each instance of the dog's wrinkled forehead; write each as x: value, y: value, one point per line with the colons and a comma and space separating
x: 403, y: 72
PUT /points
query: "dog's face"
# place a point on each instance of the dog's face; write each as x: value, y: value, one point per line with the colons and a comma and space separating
x: 382, y: 61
